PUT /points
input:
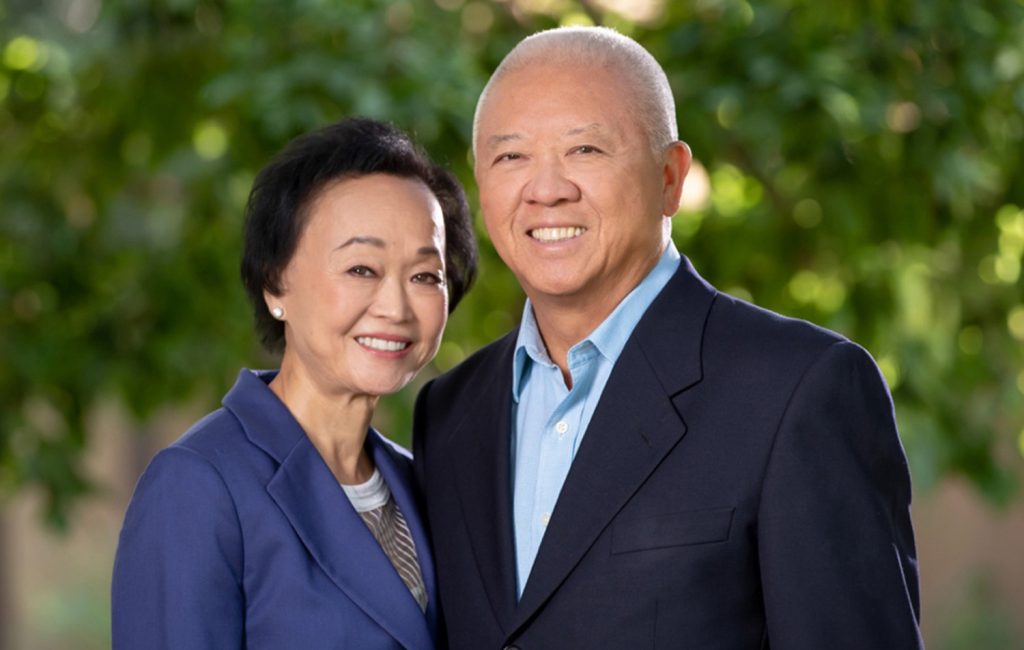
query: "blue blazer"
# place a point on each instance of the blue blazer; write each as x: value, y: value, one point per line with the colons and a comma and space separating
x: 741, y: 486
x: 239, y: 536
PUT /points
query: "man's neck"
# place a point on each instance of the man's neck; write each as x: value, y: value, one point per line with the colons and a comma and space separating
x: 565, y: 320
x: 562, y: 328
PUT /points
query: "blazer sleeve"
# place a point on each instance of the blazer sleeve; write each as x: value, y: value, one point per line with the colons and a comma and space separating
x: 178, y: 569
x: 835, y: 542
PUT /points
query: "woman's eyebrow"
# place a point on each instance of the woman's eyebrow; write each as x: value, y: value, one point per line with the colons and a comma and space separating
x: 362, y: 239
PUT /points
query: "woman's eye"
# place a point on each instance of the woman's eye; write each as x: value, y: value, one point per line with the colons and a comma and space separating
x: 361, y: 271
x: 428, y: 278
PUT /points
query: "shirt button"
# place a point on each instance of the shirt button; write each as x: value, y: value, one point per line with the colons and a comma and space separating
x: 561, y: 427
x: 544, y: 519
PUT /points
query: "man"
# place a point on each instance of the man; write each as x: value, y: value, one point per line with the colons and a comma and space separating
x: 647, y: 462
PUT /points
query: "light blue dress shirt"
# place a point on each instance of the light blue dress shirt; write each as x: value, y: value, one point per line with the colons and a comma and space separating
x: 549, y: 420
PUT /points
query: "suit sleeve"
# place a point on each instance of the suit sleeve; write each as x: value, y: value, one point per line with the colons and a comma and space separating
x: 835, y: 541
x: 419, y: 425
x: 178, y: 569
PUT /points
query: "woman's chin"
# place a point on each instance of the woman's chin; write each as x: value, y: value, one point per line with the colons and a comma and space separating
x: 384, y: 386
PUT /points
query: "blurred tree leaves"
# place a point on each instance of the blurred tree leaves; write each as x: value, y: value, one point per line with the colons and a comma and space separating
x: 860, y: 166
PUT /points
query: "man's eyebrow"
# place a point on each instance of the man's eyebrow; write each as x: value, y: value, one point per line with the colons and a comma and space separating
x: 593, y: 127
x: 362, y: 239
x: 502, y: 138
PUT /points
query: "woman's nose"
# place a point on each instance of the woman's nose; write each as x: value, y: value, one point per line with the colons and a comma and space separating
x: 392, y: 301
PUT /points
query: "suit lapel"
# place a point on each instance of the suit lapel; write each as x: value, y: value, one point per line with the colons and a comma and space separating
x: 339, y: 541
x: 633, y: 427
x: 480, y: 452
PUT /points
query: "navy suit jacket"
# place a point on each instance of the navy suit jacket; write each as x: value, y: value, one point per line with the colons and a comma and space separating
x: 239, y: 536
x: 741, y: 485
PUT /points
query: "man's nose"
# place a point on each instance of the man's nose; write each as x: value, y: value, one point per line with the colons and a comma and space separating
x: 392, y: 301
x: 549, y: 184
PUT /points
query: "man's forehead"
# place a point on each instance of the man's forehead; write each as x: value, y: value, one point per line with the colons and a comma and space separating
x: 574, y: 99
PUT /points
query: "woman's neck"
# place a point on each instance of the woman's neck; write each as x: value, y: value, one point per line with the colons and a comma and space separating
x: 335, y: 422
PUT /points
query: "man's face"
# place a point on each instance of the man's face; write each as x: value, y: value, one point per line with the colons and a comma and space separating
x: 572, y: 195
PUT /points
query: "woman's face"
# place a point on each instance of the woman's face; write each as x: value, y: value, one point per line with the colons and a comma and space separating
x: 364, y: 295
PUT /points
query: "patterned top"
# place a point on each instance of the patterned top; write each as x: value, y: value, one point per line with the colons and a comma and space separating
x: 372, y: 500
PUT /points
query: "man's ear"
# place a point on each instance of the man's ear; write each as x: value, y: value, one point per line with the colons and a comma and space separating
x: 675, y: 167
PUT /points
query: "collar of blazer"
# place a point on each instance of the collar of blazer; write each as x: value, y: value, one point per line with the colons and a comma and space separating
x: 633, y: 427
x: 324, y: 519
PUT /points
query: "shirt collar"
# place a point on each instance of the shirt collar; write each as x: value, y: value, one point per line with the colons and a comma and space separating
x: 609, y: 338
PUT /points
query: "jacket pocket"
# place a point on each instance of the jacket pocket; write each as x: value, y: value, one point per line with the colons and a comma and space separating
x: 674, y: 529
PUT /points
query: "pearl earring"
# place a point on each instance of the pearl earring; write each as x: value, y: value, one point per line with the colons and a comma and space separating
x: 277, y: 313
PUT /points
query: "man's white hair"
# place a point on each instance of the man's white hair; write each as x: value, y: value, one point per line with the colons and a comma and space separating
x: 601, y: 47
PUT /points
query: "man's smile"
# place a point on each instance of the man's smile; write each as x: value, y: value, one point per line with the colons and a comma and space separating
x: 556, y: 234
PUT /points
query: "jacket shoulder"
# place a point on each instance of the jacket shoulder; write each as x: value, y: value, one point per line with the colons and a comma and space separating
x: 741, y: 325
x: 399, y: 454
x: 476, y: 369
x: 215, y: 435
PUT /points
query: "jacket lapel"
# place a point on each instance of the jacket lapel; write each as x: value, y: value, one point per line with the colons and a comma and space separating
x: 633, y: 427
x: 480, y: 448
x: 399, y: 479
x: 343, y: 546
x: 322, y: 516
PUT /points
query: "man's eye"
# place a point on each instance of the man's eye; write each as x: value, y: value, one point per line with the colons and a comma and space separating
x: 586, y: 148
x: 507, y: 157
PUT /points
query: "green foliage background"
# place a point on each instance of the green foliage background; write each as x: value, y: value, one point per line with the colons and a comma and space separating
x: 864, y: 162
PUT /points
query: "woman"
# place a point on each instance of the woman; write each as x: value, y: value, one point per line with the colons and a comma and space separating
x: 282, y: 520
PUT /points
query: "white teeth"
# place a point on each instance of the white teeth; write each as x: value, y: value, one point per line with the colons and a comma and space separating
x: 382, y: 344
x: 556, y: 234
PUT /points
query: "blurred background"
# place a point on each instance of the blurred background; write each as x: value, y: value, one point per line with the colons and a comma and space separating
x: 858, y: 164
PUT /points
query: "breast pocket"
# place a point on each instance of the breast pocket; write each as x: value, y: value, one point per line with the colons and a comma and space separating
x: 674, y: 529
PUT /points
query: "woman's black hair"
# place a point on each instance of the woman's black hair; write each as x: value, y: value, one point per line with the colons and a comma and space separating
x: 285, y: 189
